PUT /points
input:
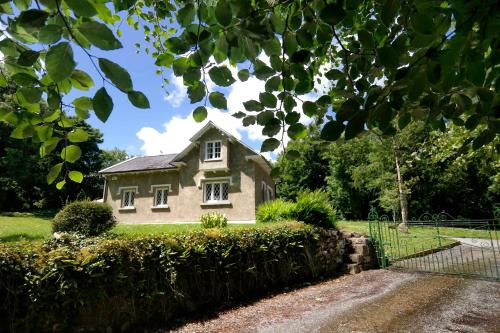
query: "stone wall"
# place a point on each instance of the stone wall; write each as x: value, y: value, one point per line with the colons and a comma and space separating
x: 353, y: 251
x: 359, y: 252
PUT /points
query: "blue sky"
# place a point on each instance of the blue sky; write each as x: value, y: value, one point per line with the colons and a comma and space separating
x: 166, y: 127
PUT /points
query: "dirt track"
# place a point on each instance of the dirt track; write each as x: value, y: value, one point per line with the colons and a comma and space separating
x: 373, y: 301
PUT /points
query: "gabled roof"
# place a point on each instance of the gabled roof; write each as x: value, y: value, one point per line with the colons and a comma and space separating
x: 172, y: 161
x: 143, y: 163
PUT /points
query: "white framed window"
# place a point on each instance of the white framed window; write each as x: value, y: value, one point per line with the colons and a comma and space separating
x: 213, y: 150
x: 214, y: 192
x: 128, y: 199
x: 161, y: 197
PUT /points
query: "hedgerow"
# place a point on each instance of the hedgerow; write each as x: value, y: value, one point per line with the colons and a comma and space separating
x: 86, y: 284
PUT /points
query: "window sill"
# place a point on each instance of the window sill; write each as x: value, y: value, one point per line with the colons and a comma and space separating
x: 213, y: 160
x: 216, y: 203
x: 126, y: 209
x: 160, y: 207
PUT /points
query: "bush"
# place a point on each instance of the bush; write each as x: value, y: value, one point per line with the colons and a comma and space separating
x: 275, y: 211
x: 84, y: 217
x: 314, y: 208
x: 213, y: 220
x: 127, y: 284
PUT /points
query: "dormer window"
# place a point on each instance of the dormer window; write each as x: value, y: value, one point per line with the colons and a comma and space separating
x: 213, y: 150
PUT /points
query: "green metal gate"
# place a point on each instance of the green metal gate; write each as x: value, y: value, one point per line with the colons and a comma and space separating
x: 439, y: 243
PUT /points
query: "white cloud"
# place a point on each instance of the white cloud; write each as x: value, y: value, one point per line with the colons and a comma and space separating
x: 179, y: 93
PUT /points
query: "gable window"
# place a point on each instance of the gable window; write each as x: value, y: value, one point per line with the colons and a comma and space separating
x: 213, y: 150
x: 214, y: 192
x: 128, y: 199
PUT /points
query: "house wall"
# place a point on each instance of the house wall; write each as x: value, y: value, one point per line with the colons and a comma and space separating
x: 262, y: 176
x: 185, y: 200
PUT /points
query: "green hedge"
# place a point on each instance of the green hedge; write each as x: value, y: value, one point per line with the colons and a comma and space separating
x: 126, y: 283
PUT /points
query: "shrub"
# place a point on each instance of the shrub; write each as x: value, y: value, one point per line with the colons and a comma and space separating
x: 275, y: 211
x: 127, y: 284
x: 213, y: 220
x: 84, y: 217
x: 314, y: 208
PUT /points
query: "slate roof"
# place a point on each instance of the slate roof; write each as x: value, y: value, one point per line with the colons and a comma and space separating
x: 143, y: 163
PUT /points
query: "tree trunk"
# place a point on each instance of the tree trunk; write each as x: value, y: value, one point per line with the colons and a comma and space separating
x: 403, y: 200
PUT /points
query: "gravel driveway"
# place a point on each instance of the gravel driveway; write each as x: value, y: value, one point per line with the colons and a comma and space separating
x: 373, y: 301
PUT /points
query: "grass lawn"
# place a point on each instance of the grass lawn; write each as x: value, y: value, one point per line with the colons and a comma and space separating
x: 34, y: 228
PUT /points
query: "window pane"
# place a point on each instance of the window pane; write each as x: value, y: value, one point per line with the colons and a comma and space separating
x: 208, y: 192
x: 165, y: 196
x: 125, y: 199
x: 210, y: 150
x: 158, y: 200
x: 131, y: 201
x: 225, y: 191
x: 216, y: 196
x: 217, y: 149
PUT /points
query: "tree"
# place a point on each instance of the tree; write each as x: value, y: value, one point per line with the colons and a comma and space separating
x: 113, y: 156
x: 308, y: 167
x: 386, y: 62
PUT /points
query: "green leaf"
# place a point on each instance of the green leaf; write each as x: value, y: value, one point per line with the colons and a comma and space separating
x: 75, y: 176
x: 60, y: 184
x: 31, y: 95
x: 289, y: 103
x: 218, y: 100
x: 273, y: 84
x: 164, y: 59
x: 117, y: 74
x: 301, y: 56
x: 32, y: 19
x: 309, y: 108
x: 239, y: 115
x: 292, y: 154
x: 268, y: 100
x: 83, y: 103
x: 366, y: 39
x: 59, y: 62
x: 422, y: 23
x: 71, y: 153
x: 332, y: 130
x: 196, y: 92
x: 332, y: 14
x: 262, y: 71
x: 28, y: 58
x: 78, y: 135
x: 223, y: 13
x: 273, y: 127
x: 355, y: 125
x: 270, y: 145
x: 253, y: 105
x: 404, y: 120
x: 81, y: 7
x: 180, y: 65
x: 389, y: 11
x: 249, y: 120
x: 292, y: 118
x: 99, y: 35
x: 297, y: 131
x: 54, y: 173
x: 290, y: 43
x: 221, y: 76
x: 177, y: 45
x: 388, y: 57
x: 186, y: 15
x: 483, y: 139
x: 81, y: 80
x: 138, y: 99
x: 50, y: 34
x: 102, y: 104
x: 200, y: 114
x: 334, y: 74
x: 243, y: 75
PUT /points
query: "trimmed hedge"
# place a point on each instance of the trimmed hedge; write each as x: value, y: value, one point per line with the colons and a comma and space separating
x: 83, y: 284
x: 84, y: 217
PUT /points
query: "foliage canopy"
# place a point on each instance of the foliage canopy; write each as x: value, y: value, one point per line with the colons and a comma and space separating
x: 365, y: 64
